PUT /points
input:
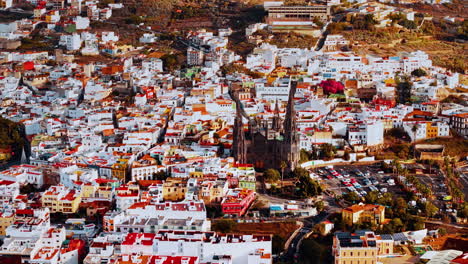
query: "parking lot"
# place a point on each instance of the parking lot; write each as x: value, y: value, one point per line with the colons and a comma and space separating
x: 359, y: 179
x: 464, y: 178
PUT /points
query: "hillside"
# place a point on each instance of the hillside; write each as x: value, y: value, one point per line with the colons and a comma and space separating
x: 12, y: 136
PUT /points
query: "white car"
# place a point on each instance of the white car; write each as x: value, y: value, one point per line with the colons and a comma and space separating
x: 383, y: 190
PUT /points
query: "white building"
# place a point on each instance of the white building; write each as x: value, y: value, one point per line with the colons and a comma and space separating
x: 31, y: 223
x: 242, y: 249
x: 140, y: 173
x: 71, y: 42
x: 369, y: 134
x: 8, y: 190
x: 152, y: 64
x: 23, y: 174
x: 148, y: 38
x: 47, y: 248
x: 81, y: 22
x: 109, y: 36
x: 72, y: 176
x: 194, y: 56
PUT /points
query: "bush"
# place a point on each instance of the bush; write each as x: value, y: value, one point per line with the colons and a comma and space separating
x: 277, y: 244
x: 134, y: 19
x: 271, y: 175
x: 335, y: 28
x: 419, y: 72
x: 224, y: 226
x: 408, y: 24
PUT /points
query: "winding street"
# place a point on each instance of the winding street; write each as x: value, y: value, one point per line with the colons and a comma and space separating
x: 292, y: 252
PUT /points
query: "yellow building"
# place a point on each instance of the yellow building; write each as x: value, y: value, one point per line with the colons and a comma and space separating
x: 119, y: 169
x: 357, y: 256
x: 88, y: 191
x: 105, y: 192
x: 196, y: 174
x: 101, y: 189
x: 6, y: 219
x: 368, y: 213
x: 212, y: 191
x: 431, y: 131
x: 361, y: 247
x: 174, y: 189
x: 60, y: 199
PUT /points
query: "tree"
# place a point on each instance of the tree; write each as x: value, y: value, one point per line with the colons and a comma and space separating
x: 317, y: 22
x: 408, y: 24
x: 327, y: 151
x: 303, y: 156
x: 306, y: 186
x: 283, y: 165
x: 332, y: 87
x: 414, y: 129
x: 371, y: 197
x: 419, y: 72
x: 400, y: 206
x: 312, y: 251
x: 319, y: 205
x: 463, y: 210
x: 224, y: 226
x: 346, y: 155
x: 442, y: 231
x: 397, y: 224
x: 352, y: 197
x: 158, y: 7
x: 271, y: 175
x: 28, y: 188
x: 385, y: 199
x: 417, y: 223
x: 404, y: 90
x: 160, y: 176
x: 430, y: 209
x: 277, y: 244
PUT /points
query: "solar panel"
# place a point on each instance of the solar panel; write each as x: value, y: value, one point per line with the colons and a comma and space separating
x: 400, y: 237
x: 386, y: 237
x: 341, y: 235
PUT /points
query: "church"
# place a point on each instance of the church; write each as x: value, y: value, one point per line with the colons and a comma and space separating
x: 267, y: 144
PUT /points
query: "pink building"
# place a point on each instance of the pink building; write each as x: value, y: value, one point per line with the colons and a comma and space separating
x: 237, y: 201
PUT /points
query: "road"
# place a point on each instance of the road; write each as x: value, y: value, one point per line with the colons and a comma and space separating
x: 272, y: 199
x: 293, y: 249
x: 458, y: 226
x: 319, y: 44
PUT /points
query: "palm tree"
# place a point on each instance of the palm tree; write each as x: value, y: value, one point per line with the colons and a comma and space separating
x: 283, y: 166
x: 414, y: 129
x: 431, y: 163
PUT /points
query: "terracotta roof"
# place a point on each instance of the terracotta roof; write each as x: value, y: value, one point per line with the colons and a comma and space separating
x: 366, y: 207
